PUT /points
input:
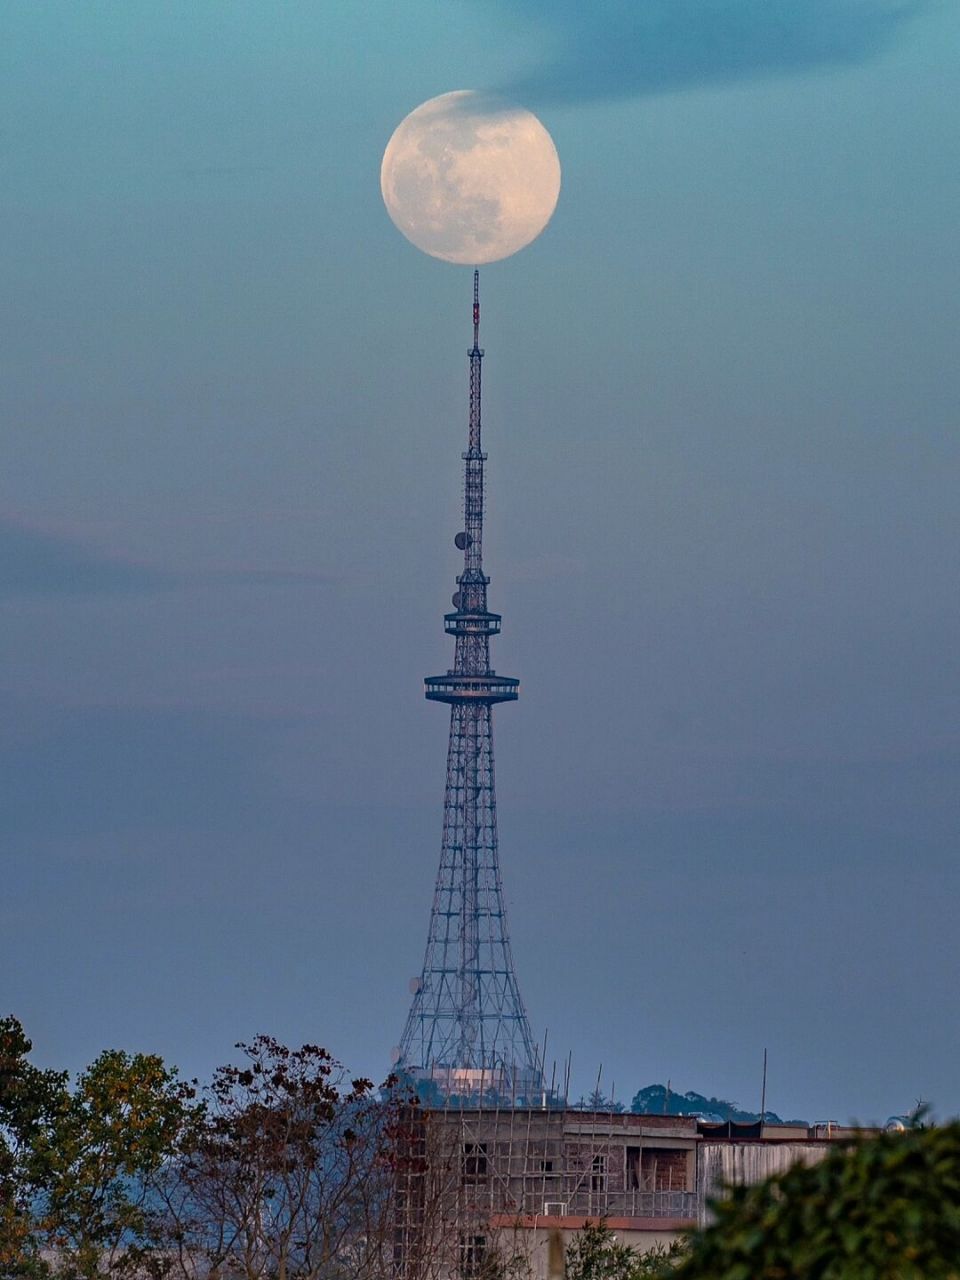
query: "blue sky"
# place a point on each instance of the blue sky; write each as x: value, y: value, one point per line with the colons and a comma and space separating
x: 720, y: 407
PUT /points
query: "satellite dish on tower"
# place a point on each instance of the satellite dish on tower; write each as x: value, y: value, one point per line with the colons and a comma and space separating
x: 415, y: 985
x: 462, y: 541
x: 455, y: 599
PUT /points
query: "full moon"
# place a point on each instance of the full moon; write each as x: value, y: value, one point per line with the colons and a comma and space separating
x: 470, y: 179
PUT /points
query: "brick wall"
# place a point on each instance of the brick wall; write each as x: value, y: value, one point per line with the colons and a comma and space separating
x: 663, y: 1170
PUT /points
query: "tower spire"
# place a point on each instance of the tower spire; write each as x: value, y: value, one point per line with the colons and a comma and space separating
x: 467, y: 1029
x: 476, y: 309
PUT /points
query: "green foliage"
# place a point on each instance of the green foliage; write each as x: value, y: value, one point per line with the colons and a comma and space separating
x: 92, y: 1163
x: 595, y: 1253
x: 75, y: 1164
x: 886, y: 1208
x: 28, y: 1095
x: 30, y: 1099
x: 655, y: 1100
x: 283, y: 1168
x: 598, y: 1101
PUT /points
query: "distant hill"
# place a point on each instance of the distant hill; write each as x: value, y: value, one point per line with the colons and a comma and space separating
x: 655, y: 1101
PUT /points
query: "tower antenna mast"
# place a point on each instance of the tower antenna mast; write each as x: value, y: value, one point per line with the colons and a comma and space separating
x: 467, y: 1029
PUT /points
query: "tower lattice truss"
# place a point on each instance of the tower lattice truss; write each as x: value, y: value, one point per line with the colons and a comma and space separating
x: 467, y: 1030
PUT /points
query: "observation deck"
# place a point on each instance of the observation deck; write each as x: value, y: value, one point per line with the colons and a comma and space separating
x: 454, y: 687
x: 471, y: 624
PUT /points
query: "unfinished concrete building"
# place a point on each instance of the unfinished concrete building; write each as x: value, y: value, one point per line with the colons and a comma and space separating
x: 478, y: 1185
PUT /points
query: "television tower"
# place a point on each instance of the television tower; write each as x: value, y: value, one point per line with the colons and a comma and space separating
x: 467, y: 1029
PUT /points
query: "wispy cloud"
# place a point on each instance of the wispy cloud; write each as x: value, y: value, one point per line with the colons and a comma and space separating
x: 632, y: 48
x: 37, y: 562
x: 34, y: 562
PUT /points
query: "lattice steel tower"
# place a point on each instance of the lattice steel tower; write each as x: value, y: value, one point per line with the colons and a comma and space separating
x: 467, y: 1029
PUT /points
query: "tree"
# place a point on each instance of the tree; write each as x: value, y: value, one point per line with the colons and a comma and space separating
x: 595, y: 1253
x: 30, y: 1098
x: 94, y: 1162
x: 657, y: 1099
x: 885, y: 1208
x: 598, y: 1101
x: 288, y: 1173
x: 75, y: 1164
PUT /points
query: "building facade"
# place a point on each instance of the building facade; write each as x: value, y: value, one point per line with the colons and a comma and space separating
x: 483, y: 1184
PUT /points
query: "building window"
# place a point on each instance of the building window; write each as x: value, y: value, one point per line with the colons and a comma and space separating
x: 473, y: 1250
x: 474, y: 1162
x: 598, y: 1174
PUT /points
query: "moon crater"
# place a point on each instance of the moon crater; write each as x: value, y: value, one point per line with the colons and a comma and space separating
x: 470, y: 179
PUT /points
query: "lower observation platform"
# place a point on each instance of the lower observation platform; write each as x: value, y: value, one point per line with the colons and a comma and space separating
x: 478, y: 1086
x: 487, y: 688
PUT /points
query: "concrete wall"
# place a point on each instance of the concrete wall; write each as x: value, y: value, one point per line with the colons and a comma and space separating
x: 735, y: 1164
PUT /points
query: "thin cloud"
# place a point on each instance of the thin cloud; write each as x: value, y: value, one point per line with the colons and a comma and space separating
x: 635, y: 48
x: 34, y: 562
x: 38, y: 563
